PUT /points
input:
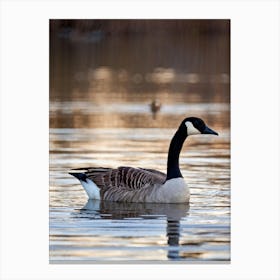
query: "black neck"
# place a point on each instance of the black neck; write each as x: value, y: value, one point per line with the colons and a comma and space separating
x: 173, y: 170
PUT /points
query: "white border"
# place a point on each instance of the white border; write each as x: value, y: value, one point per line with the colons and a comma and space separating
x: 255, y: 137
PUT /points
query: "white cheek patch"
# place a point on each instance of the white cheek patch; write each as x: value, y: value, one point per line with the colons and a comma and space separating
x: 191, y: 129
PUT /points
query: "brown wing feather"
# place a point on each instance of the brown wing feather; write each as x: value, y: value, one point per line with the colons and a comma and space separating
x: 124, y: 182
x: 128, y: 177
x: 159, y: 173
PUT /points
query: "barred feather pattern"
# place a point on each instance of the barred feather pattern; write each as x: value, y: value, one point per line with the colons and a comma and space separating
x: 126, y: 184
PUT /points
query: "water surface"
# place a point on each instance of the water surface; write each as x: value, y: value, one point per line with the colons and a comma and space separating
x: 87, y: 230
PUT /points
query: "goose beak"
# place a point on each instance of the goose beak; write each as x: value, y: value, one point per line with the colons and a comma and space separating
x: 208, y: 130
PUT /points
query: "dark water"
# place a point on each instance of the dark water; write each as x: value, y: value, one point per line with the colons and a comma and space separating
x: 100, y: 115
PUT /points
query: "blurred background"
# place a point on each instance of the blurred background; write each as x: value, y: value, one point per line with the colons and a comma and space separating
x: 118, y: 91
x: 102, y: 71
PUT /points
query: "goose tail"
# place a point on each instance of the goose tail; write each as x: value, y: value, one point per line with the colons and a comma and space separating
x: 89, y: 186
x: 79, y: 176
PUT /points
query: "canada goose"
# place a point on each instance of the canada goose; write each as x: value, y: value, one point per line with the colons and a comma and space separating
x: 129, y: 184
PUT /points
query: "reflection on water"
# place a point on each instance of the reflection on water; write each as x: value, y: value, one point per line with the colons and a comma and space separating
x: 115, y: 210
x: 116, y: 98
x: 88, y: 114
x: 120, y: 210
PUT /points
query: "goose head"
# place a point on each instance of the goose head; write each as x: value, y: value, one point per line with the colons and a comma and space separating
x: 193, y: 126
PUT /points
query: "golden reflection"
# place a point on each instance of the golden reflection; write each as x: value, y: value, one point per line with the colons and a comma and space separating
x: 106, y: 63
x: 159, y: 119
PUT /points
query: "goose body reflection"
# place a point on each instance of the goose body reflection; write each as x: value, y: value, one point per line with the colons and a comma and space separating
x: 121, y: 210
x: 129, y: 184
x: 173, y: 213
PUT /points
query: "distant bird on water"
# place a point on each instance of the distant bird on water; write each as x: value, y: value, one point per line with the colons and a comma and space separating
x: 129, y: 184
x: 155, y: 107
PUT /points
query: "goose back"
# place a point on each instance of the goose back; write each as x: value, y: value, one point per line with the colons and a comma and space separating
x: 124, y: 183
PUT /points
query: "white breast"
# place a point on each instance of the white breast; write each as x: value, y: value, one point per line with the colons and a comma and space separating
x: 174, y: 191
